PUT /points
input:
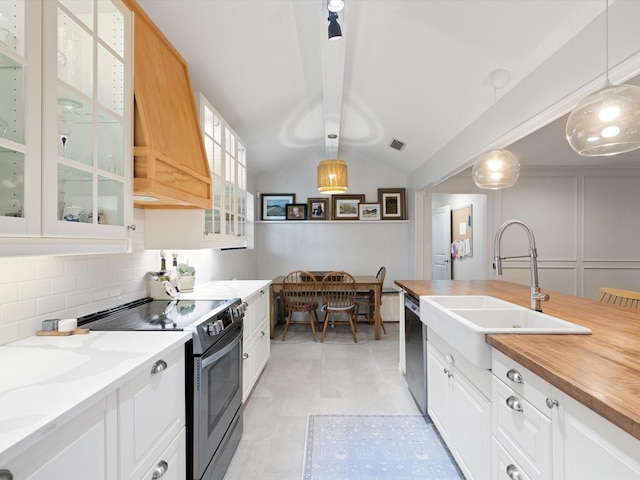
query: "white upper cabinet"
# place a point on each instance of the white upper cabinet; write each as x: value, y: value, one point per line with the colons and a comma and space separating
x: 67, y: 155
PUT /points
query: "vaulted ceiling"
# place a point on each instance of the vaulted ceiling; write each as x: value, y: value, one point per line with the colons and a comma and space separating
x: 413, y: 70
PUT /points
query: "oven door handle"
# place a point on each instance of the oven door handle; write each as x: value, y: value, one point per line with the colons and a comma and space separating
x: 214, y: 357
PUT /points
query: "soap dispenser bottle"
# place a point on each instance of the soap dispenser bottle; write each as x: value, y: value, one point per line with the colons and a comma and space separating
x: 175, y: 275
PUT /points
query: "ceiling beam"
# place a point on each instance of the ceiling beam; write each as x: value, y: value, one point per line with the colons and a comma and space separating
x: 333, y: 59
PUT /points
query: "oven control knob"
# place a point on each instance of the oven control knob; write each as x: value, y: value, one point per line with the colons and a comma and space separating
x: 211, y: 329
x: 220, y: 325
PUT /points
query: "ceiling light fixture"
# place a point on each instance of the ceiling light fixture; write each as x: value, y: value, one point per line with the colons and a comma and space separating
x: 606, y: 122
x: 335, y: 5
x: 497, y: 168
x: 335, y: 32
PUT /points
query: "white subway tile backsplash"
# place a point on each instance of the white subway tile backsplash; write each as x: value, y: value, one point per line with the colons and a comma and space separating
x: 9, y: 293
x: 50, y: 268
x: 34, y: 289
x: 52, y: 303
x: 77, y: 298
x: 17, y: 311
x: 76, y: 265
x: 10, y: 332
x: 64, y: 284
x: 12, y: 272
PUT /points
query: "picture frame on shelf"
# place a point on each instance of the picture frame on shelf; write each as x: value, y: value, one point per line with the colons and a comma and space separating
x: 318, y: 208
x: 345, y: 207
x: 274, y: 205
x: 393, y: 203
x: 369, y: 211
x: 296, y: 211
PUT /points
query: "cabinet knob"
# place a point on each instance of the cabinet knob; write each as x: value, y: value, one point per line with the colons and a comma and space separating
x: 514, y: 404
x: 513, y: 472
x: 160, y: 470
x: 551, y: 403
x: 245, y: 356
x: 449, y: 358
x: 262, y: 333
x: 132, y: 227
x: 158, y: 367
x: 515, y: 376
x: 6, y: 475
x: 448, y: 372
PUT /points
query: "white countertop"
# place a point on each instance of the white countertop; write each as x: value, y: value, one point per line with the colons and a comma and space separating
x: 45, y: 381
x: 225, y: 289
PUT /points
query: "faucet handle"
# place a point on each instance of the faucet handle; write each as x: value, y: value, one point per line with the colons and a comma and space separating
x: 543, y: 297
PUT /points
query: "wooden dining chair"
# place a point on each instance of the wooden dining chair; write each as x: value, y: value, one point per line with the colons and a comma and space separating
x: 622, y: 298
x: 300, y: 294
x: 338, y: 290
x: 366, y: 301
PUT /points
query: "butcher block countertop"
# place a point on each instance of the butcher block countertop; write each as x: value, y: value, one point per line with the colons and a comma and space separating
x: 601, y: 370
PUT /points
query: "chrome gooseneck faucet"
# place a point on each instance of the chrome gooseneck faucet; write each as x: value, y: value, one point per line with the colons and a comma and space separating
x: 536, y: 296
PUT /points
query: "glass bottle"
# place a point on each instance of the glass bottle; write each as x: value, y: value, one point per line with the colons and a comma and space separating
x: 175, y: 275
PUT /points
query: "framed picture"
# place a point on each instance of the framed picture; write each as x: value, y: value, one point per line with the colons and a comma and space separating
x: 274, y: 205
x: 296, y: 211
x: 369, y: 211
x: 318, y: 208
x: 345, y: 207
x: 393, y: 203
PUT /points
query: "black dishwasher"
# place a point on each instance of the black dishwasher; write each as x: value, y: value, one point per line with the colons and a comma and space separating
x: 415, y: 337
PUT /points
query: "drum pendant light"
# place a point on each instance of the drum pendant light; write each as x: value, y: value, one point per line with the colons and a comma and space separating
x: 332, y: 177
x: 606, y: 122
x: 497, y: 168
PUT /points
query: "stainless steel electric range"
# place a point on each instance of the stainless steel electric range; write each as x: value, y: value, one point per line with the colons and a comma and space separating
x: 214, y: 370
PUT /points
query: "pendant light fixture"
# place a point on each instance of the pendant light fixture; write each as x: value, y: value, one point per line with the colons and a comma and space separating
x: 332, y: 174
x: 606, y: 122
x: 497, y: 168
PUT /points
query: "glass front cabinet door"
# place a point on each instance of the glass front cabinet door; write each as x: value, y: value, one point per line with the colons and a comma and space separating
x: 87, y: 111
x: 66, y: 124
x: 20, y: 106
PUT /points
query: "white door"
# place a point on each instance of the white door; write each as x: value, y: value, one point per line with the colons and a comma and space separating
x: 441, y: 243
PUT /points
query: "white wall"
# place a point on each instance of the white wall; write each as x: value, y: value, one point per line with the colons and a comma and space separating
x: 36, y: 288
x: 358, y: 247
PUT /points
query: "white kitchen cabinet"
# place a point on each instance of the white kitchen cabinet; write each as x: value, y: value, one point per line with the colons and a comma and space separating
x: 152, y: 416
x: 83, y: 448
x: 588, y: 447
x: 67, y: 156
x: 553, y: 436
x: 256, y: 343
x: 460, y: 411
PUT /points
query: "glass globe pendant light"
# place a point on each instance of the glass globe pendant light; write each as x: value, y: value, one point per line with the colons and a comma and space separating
x: 497, y: 168
x: 606, y: 122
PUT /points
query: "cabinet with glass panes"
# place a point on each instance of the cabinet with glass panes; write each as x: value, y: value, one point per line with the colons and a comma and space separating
x: 66, y: 155
x: 228, y: 164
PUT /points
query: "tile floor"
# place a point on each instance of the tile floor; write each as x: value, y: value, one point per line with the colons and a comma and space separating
x: 302, y: 377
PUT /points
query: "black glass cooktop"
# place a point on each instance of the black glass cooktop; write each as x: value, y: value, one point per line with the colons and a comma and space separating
x: 148, y: 314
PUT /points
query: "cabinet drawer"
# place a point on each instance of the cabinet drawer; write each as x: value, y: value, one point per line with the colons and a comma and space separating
x: 522, y: 430
x: 152, y: 411
x: 168, y: 465
x: 523, y: 381
x: 506, y: 468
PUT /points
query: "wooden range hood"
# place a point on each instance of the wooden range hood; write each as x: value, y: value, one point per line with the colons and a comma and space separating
x: 171, y: 169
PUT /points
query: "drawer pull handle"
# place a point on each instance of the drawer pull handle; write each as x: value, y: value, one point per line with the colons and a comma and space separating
x: 513, y: 472
x: 448, y: 372
x: 514, y: 404
x: 160, y: 470
x: 245, y: 355
x: 449, y: 358
x: 6, y: 475
x: 551, y: 403
x: 158, y: 367
x: 515, y: 376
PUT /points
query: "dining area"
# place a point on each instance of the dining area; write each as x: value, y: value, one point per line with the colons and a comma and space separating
x: 324, y: 299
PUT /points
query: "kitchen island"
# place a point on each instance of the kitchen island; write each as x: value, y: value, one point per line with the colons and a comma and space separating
x: 601, y: 370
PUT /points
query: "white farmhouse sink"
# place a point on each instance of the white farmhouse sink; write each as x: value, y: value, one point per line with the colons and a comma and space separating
x: 463, y: 322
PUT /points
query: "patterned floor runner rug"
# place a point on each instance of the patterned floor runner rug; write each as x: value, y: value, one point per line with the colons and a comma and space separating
x: 376, y: 447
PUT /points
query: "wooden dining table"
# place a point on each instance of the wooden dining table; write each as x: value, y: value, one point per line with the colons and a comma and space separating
x: 364, y: 283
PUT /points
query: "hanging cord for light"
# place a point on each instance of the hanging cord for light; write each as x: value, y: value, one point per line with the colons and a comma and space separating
x: 606, y: 122
x: 497, y: 168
